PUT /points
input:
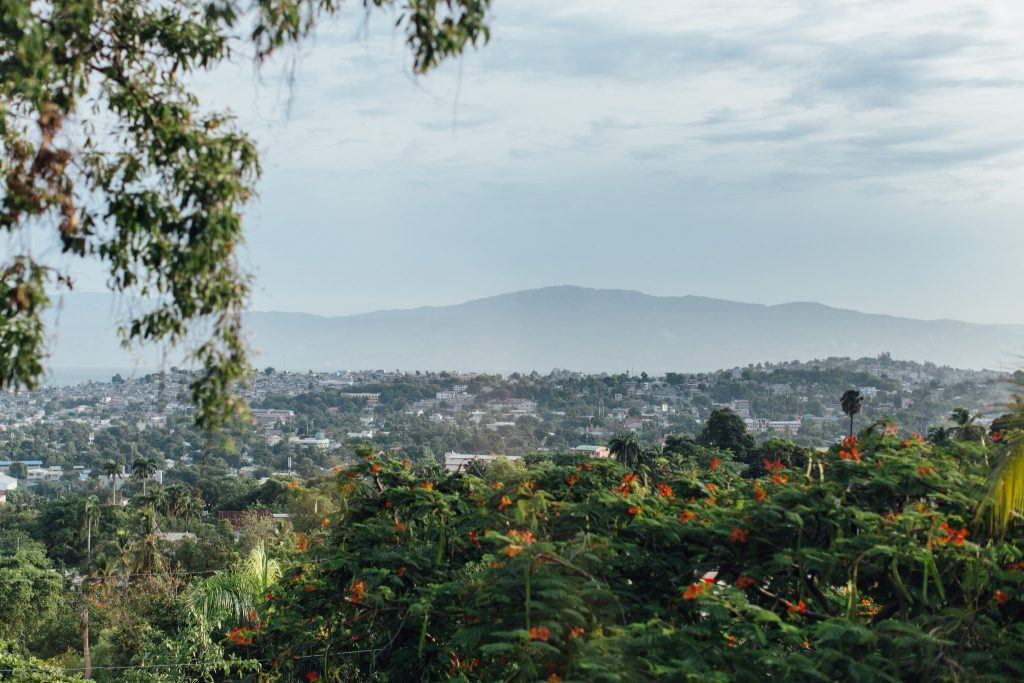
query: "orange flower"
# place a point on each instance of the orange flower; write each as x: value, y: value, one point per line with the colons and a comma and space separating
x: 358, y: 590
x: 739, y: 535
x: 759, y: 492
x: 635, y: 510
x: 714, y: 463
x: 401, y: 571
x: 400, y: 526
x: 537, y: 633
x: 953, y: 535
x: 849, y: 441
x: 1017, y: 567
x: 375, y: 469
x: 779, y: 479
x: 694, y: 591
x: 325, y: 521
x: 745, y: 582
x: 773, y: 466
x: 627, y: 483
x: 512, y: 549
x: 523, y: 536
x: 293, y: 485
x: 571, y: 481
x: 711, y: 488
x: 730, y: 641
x: 303, y: 542
x: 554, y: 678
x: 1001, y: 597
x: 687, y: 516
x: 798, y: 608
x: 428, y: 485
x: 925, y: 471
x: 497, y: 486
x: 504, y: 503
x: 665, y: 491
x: 577, y: 632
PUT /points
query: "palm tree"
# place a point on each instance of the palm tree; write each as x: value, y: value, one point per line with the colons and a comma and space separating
x: 90, y: 513
x: 965, y: 427
x: 142, y: 470
x: 112, y: 470
x: 626, y: 449
x: 939, y: 435
x: 230, y: 596
x: 851, y: 402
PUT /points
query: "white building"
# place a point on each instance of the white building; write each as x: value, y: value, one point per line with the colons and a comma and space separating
x: 458, y: 462
x: 6, y: 484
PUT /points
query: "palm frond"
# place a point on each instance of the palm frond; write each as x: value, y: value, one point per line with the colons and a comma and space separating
x: 1006, y: 488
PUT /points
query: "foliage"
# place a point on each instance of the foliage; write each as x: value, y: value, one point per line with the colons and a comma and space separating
x: 104, y: 141
x: 873, y: 573
x: 725, y: 429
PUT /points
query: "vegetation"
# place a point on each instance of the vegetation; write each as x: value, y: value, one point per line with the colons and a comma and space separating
x: 104, y: 142
x: 879, y: 559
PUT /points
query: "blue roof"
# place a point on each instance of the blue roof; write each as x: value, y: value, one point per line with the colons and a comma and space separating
x: 8, y: 463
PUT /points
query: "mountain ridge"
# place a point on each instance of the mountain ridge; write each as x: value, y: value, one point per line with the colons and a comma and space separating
x: 578, y: 328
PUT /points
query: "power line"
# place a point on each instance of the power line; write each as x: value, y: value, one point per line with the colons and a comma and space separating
x: 142, y: 667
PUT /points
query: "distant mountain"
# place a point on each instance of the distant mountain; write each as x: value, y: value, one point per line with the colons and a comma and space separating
x: 576, y: 328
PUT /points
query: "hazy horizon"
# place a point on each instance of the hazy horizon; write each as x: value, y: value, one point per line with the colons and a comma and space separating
x: 856, y: 155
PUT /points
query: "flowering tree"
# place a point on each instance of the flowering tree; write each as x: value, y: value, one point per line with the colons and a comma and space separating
x: 871, y: 571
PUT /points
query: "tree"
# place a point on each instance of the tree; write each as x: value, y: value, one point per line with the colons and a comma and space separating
x: 142, y: 470
x: 965, y: 427
x: 112, y: 470
x: 726, y: 430
x: 851, y: 402
x: 626, y: 449
x: 18, y: 470
x: 90, y: 513
x: 105, y: 142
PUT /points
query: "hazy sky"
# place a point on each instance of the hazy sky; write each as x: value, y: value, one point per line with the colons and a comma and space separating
x: 862, y: 154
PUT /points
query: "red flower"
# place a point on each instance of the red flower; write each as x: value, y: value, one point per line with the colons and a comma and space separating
x: 325, y: 521
x: 1001, y: 597
x: 798, y: 608
x: 745, y: 582
x: 401, y: 571
x: 953, y: 535
x: 739, y: 535
x: 925, y: 471
x: 714, y: 463
x: 428, y: 485
x: 523, y: 536
x: 693, y: 591
x: 358, y: 590
x: 687, y: 516
x: 773, y: 466
x: 375, y: 469
x: 293, y: 485
x: 504, y: 503
x: 997, y: 435
x: 759, y: 492
x: 577, y: 632
x: 473, y: 538
x: 312, y: 676
x: 406, y: 463
x: 664, y: 490
x: 571, y: 481
x: 537, y: 633
x: 1017, y: 567
x: 891, y: 429
x: 635, y: 510
x: 779, y: 479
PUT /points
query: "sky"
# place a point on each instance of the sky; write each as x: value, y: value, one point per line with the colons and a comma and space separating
x: 866, y: 155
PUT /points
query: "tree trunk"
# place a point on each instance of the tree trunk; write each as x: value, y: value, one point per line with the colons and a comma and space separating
x: 88, y: 540
x: 85, y: 639
x: 851, y: 425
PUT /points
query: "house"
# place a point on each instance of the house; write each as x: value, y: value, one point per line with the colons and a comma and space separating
x: 458, y: 462
x: 592, y: 451
x: 6, y: 484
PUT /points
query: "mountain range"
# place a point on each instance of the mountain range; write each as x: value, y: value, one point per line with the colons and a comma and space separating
x: 576, y: 328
